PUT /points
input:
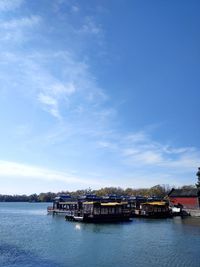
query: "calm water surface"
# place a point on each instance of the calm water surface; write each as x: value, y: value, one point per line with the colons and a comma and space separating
x: 29, y: 237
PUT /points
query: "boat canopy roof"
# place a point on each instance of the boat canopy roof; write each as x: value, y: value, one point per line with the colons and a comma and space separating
x: 105, y: 204
x: 113, y: 204
x: 89, y: 202
x: 156, y: 203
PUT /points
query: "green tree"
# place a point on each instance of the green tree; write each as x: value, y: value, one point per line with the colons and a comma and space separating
x: 188, y: 187
x: 33, y: 198
x: 198, y: 176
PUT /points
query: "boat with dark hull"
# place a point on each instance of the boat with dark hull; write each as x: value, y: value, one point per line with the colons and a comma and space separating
x: 90, y: 208
x: 63, y: 205
x: 156, y: 209
x: 97, y: 211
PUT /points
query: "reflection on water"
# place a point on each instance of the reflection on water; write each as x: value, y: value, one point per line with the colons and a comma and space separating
x: 28, y: 237
x: 11, y: 255
x: 78, y: 226
x: 190, y: 221
x: 193, y: 221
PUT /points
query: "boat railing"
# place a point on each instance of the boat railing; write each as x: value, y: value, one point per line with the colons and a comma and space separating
x: 78, y: 213
x: 49, y: 208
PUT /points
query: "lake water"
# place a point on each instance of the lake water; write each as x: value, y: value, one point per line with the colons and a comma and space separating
x: 31, y: 238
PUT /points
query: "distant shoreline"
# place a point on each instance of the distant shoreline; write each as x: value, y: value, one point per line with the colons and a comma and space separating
x: 157, y: 190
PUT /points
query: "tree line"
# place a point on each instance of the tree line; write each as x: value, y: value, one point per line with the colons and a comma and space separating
x: 157, y: 190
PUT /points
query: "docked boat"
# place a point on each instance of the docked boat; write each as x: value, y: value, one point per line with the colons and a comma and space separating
x: 156, y: 209
x: 64, y: 205
x: 97, y: 211
x: 90, y: 208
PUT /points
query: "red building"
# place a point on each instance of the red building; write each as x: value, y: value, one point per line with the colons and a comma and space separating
x: 187, y: 198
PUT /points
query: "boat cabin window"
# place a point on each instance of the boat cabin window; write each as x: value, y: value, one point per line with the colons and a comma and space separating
x: 97, y: 211
x: 111, y: 210
x: 104, y: 210
x: 118, y: 210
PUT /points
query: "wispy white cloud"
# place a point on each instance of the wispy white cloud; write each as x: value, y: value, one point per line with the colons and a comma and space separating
x: 57, y: 94
x: 75, y: 8
x: 18, y: 30
x: 50, y: 104
x: 62, y: 83
x: 143, y: 157
x: 14, y: 169
x: 106, y: 144
x: 7, y: 5
x: 73, y: 91
x: 86, y: 26
x: 90, y: 26
x: 136, y: 137
x: 140, y: 150
x: 20, y: 22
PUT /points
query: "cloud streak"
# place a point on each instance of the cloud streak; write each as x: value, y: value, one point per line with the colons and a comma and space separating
x: 72, y: 93
x: 8, y: 5
x: 139, y: 150
x: 23, y: 22
x: 57, y: 78
x: 90, y: 27
x: 18, y: 30
x: 14, y: 169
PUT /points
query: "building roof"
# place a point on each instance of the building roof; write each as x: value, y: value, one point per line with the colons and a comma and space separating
x: 193, y: 192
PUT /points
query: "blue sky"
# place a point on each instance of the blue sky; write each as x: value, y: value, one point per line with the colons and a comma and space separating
x: 98, y: 93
